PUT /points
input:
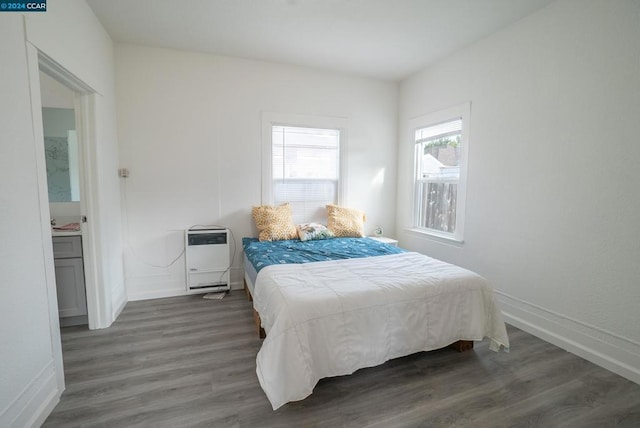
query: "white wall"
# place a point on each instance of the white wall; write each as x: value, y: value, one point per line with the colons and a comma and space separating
x: 30, y: 355
x: 71, y: 35
x: 552, y: 200
x: 28, y: 371
x: 189, y: 127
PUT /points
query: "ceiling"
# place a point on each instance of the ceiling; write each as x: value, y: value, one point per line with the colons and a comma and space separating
x: 383, y: 39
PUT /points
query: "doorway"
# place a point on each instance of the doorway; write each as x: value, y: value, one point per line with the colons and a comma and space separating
x: 74, y: 91
x: 63, y: 168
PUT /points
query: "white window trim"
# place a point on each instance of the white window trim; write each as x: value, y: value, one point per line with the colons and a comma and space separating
x: 463, y: 111
x: 270, y: 119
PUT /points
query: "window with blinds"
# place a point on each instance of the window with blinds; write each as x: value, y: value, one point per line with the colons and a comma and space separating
x: 440, y: 150
x: 305, y: 170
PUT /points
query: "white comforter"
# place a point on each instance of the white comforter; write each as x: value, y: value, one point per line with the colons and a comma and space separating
x: 332, y: 318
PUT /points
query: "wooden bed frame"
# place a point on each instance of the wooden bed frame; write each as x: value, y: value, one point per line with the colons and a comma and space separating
x: 460, y: 345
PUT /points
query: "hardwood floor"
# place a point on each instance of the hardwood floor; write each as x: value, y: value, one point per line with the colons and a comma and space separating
x: 190, y: 362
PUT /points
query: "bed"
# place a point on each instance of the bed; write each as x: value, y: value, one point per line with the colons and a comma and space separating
x: 331, y: 307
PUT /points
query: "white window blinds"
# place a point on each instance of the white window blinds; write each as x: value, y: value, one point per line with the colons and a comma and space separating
x: 440, y: 130
x: 306, y: 165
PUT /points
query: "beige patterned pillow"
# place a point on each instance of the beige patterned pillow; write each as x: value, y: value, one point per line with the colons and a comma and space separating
x: 345, y: 222
x: 274, y: 223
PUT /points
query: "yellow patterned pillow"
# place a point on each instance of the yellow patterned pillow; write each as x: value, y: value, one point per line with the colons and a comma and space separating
x: 274, y: 223
x: 345, y: 222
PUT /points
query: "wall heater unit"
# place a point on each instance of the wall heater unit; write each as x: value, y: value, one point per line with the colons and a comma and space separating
x: 207, y: 260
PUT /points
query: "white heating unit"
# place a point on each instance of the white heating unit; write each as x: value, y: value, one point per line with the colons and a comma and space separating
x: 207, y: 260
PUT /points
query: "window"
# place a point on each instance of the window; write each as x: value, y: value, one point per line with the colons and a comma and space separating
x: 441, y: 145
x: 304, y: 165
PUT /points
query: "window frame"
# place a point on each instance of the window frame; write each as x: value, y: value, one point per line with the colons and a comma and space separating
x: 271, y: 119
x: 463, y: 112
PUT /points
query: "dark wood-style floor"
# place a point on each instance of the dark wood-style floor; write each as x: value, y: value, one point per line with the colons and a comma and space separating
x: 187, y: 362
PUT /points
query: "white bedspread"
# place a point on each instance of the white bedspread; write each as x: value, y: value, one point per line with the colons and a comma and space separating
x: 332, y: 318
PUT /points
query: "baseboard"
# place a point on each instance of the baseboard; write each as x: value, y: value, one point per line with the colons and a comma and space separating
x: 71, y: 321
x: 155, y: 294
x: 169, y: 292
x: 119, y: 302
x: 608, y: 350
x: 34, y: 404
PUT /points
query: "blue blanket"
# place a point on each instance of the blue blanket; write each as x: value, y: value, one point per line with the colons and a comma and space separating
x: 262, y: 254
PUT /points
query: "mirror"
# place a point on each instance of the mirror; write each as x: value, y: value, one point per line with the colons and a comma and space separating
x: 61, y: 154
x: 60, y: 142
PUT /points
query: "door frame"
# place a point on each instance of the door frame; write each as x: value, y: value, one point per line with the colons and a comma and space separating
x: 98, y: 305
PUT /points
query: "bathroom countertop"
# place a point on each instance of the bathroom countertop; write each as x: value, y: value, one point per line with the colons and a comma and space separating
x: 66, y: 233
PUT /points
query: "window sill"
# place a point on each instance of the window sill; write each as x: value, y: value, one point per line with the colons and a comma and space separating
x: 435, y: 236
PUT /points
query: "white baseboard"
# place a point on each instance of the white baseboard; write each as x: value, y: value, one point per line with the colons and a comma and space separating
x: 36, y: 401
x: 169, y: 292
x: 155, y: 294
x: 119, y: 302
x: 613, y: 352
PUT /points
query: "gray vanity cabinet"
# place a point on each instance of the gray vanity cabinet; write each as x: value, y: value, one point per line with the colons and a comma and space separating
x: 72, y: 301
